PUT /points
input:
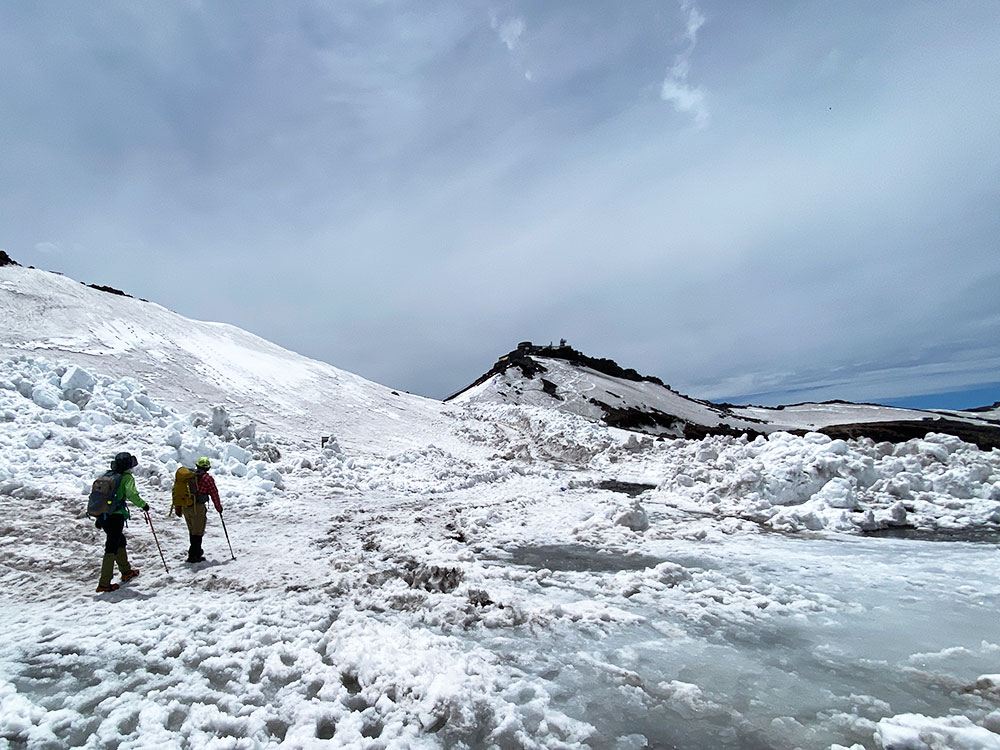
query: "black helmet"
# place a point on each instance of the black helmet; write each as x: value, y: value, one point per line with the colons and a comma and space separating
x: 123, y: 462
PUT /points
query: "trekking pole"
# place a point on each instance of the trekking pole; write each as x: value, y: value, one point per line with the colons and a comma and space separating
x: 227, y: 534
x: 151, y: 528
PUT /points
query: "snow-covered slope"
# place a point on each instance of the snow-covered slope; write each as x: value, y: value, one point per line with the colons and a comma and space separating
x: 196, y: 365
x: 563, y: 378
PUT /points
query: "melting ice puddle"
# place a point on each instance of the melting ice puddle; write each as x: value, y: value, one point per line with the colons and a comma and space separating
x: 982, y: 536
x: 585, y: 559
x: 578, y: 557
x: 772, y: 643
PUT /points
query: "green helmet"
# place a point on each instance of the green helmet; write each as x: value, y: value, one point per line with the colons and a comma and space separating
x: 203, y: 463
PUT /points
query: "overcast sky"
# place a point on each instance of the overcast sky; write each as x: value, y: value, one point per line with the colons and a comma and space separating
x: 754, y: 201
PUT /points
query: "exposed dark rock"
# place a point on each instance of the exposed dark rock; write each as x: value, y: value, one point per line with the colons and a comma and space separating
x: 6, y: 260
x: 632, y: 489
x: 636, y: 419
x: 984, y: 436
x: 996, y: 404
x: 550, y: 388
x: 108, y: 289
x: 479, y: 598
x: 700, y: 431
x: 521, y: 358
x: 528, y: 367
x: 569, y: 354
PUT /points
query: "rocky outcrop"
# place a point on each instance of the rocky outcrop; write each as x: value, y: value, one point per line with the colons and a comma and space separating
x: 985, y: 436
x: 109, y: 290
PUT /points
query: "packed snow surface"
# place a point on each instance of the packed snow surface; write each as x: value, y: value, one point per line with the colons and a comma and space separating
x: 479, y: 575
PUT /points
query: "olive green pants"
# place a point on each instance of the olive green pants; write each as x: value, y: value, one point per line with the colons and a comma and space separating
x: 108, y: 566
x: 195, y: 515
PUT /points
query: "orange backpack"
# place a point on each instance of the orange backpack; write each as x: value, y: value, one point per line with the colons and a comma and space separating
x: 185, y: 487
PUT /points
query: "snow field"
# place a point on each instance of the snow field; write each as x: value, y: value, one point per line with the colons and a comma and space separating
x: 243, y: 674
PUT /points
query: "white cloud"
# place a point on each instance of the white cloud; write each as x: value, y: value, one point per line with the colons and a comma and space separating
x: 685, y: 98
x: 676, y: 89
x: 48, y: 248
x: 509, y: 31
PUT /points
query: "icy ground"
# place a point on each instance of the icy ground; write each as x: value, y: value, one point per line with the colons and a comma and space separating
x: 484, y: 588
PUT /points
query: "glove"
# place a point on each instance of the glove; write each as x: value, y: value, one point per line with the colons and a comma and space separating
x: 144, y: 506
x: 177, y: 510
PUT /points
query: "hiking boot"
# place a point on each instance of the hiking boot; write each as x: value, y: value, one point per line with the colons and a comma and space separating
x: 110, y: 587
x: 130, y: 575
x: 195, y: 553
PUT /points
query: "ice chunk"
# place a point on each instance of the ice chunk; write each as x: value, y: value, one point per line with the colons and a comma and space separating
x: 97, y: 419
x: 634, y: 518
x: 837, y: 493
x: 76, y: 378
x: 138, y: 409
x: 220, y: 422
x: 992, y: 721
x: 35, y: 438
x: 46, y: 396
x: 234, y: 451
x: 918, y: 732
x: 671, y: 573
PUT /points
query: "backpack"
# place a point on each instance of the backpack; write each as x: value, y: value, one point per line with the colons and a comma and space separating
x: 185, y: 487
x: 103, y: 499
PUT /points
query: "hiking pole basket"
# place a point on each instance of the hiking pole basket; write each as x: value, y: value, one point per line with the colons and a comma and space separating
x: 151, y: 528
x: 227, y: 535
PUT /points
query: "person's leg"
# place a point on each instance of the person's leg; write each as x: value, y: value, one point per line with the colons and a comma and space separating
x: 114, y: 538
x: 121, y: 557
x: 198, y: 528
x: 189, y: 518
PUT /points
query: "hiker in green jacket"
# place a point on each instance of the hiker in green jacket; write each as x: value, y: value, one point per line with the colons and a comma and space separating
x: 113, y: 524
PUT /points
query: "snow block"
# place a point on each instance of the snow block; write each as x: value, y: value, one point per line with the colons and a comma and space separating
x: 77, y: 378
x: 837, y: 493
x: 46, y: 396
x: 35, y: 439
x: 97, y: 419
x: 918, y: 732
x: 138, y: 409
x: 239, y: 454
x: 634, y: 518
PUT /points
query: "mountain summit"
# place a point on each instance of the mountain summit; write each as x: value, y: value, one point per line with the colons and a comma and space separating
x: 600, y: 389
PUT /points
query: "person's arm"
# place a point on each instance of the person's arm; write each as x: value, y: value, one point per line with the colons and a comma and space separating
x: 214, y: 492
x: 206, y: 486
x: 128, y: 491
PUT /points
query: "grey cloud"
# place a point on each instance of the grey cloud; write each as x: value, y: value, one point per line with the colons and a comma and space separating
x: 386, y: 173
x: 675, y: 88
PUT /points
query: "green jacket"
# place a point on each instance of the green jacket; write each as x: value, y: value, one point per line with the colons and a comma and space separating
x: 127, y: 491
